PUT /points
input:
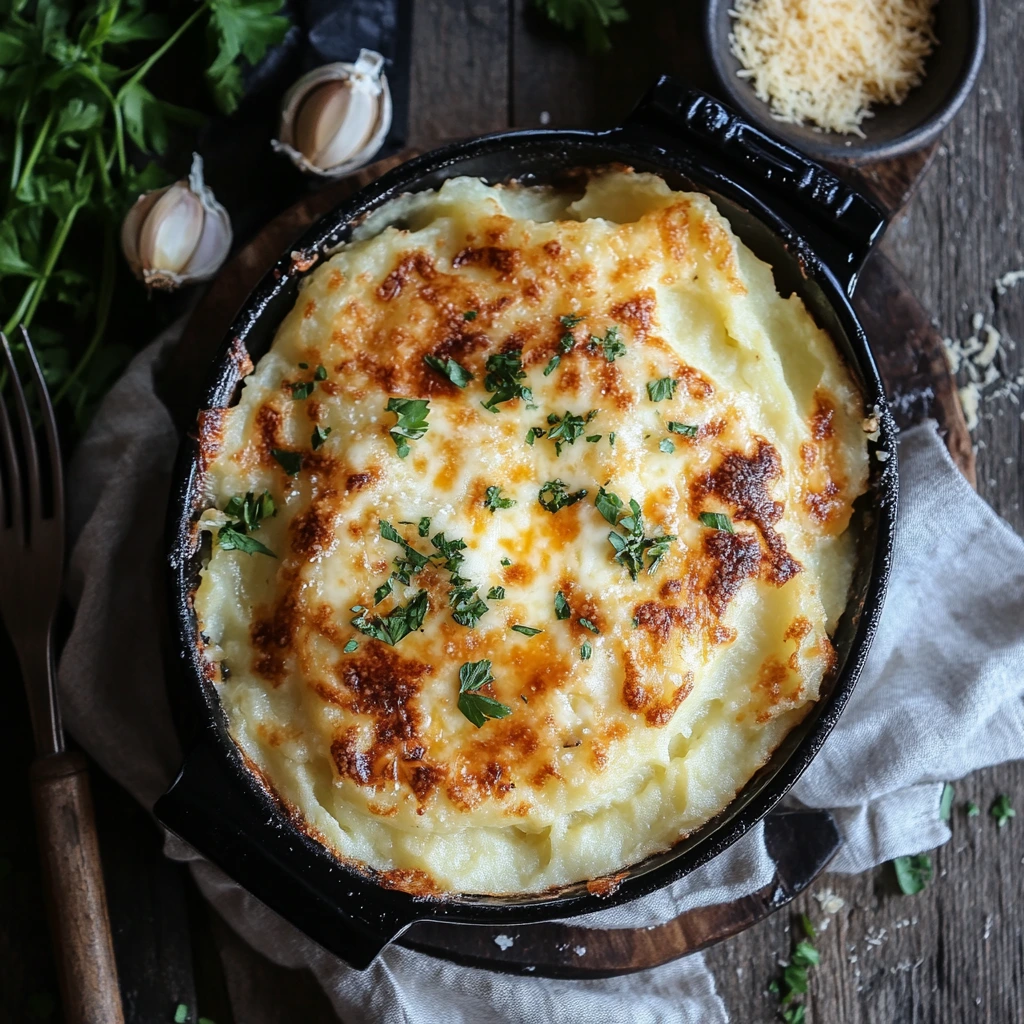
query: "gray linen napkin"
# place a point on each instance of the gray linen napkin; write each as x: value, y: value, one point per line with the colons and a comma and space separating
x: 939, y: 697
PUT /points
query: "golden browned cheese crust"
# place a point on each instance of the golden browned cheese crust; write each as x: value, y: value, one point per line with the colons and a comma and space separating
x: 662, y: 367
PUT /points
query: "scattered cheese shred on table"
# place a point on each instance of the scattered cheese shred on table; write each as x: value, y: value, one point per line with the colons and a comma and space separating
x: 824, y: 62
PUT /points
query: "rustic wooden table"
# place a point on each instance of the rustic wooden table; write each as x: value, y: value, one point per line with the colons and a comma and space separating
x: 955, y: 952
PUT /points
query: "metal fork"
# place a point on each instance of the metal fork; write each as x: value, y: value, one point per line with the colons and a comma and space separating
x: 31, y: 572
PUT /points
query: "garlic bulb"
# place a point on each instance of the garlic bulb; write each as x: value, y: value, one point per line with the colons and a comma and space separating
x: 177, y: 235
x: 336, y: 118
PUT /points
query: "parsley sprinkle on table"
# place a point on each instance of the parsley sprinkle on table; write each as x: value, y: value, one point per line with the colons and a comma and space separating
x: 412, y: 421
x: 972, y: 809
x: 478, y: 707
x: 659, y: 390
x: 913, y: 873
x: 527, y: 630
x: 946, y: 802
x: 1001, y: 810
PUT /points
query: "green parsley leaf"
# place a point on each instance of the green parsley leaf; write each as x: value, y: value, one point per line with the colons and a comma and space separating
x: 586, y: 651
x: 398, y: 623
x: 383, y: 590
x: 290, y: 462
x: 302, y: 389
x: 562, y: 609
x: 449, y: 368
x: 319, y: 436
x: 913, y: 873
x: 666, y: 446
x: 504, y: 372
x: 351, y: 646
x: 533, y: 433
x: 424, y: 527
x: 553, y: 496
x: 470, y: 314
x: 412, y: 421
x: 506, y: 561
x: 552, y: 365
x: 631, y: 546
x: 609, y: 505
x: 496, y: 594
x: 494, y: 501
x: 805, y: 955
x: 794, y: 978
x: 571, y: 320
x: 587, y: 624
x: 717, y: 521
x: 522, y: 697
x: 592, y: 438
x: 527, y: 630
x: 233, y: 538
x: 683, y: 429
x: 408, y: 564
x: 478, y: 707
x: 320, y: 373
x: 468, y: 608
x: 568, y: 429
x: 612, y: 343
x: 611, y: 438
x: 250, y: 509
x: 1001, y: 810
x: 303, y: 366
x: 795, y: 1014
x: 566, y: 342
x: 946, y: 803
x: 181, y: 1014
x: 659, y: 390
x: 808, y: 927
x: 972, y: 809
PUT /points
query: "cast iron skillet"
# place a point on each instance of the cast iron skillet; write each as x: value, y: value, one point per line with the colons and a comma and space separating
x: 815, y: 231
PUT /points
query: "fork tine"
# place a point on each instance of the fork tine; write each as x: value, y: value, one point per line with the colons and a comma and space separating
x: 49, y: 427
x: 28, y: 438
x: 10, y: 456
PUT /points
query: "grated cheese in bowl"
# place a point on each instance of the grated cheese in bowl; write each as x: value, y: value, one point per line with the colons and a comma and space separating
x: 824, y: 62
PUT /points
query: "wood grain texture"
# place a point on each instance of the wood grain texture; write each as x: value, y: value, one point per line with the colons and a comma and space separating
x: 76, y: 894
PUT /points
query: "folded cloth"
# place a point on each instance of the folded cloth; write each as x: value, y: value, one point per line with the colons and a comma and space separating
x: 940, y: 696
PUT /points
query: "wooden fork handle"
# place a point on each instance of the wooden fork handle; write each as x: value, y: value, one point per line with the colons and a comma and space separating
x: 76, y: 894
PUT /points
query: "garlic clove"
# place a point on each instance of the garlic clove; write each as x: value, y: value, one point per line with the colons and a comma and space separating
x: 336, y: 118
x: 177, y: 235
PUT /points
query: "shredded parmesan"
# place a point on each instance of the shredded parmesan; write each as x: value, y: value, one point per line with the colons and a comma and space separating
x: 824, y: 62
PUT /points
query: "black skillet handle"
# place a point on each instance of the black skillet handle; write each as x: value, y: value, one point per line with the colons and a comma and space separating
x: 252, y: 841
x: 839, y: 223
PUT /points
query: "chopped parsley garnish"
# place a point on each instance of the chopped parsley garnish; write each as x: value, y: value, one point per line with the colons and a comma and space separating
x: 659, y: 390
x: 1001, y: 810
x: 631, y: 546
x: 592, y: 438
x: 351, y: 646
x: 586, y: 650
x: 470, y: 314
x: 506, y: 561
x: 250, y: 509
x: 504, y: 372
x: 568, y: 429
x: 533, y: 433
x: 946, y: 802
x: 611, y: 438
x: 234, y: 538
x: 478, y: 707
x: 522, y: 697
x: 496, y: 594
x: 717, y: 521
x: 450, y: 369
x: 587, y: 624
x: 552, y: 365
x: 612, y: 344
x: 412, y: 421
x: 494, y: 501
x: 527, y: 630
x: 303, y: 366
x: 794, y: 976
x: 319, y: 436
x: 972, y: 809
x: 571, y: 320
x: 562, y: 609
x: 666, y: 446
x: 553, y: 496
x: 302, y: 389
x: 383, y: 590
x: 320, y: 373
x: 424, y: 527
x: 398, y: 623
x: 290, y: 462
x: 408, y: 564
x: 913, y: 873
x: 683, y: 429
x: 467, y: 606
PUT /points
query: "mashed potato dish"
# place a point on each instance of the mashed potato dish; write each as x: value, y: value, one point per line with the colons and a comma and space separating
x: 528, y: 533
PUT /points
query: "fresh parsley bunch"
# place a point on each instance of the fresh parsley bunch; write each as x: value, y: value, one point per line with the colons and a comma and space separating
x: 77, y: 122
x: 592, y: 16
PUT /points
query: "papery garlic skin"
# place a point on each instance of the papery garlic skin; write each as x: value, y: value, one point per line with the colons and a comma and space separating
x: 334, y: 119
x: 177, y: 235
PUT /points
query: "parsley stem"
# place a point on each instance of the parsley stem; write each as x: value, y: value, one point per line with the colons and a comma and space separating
x: 144, y: 68
x: 122, y: 160
x: 33, y: 156
x: 18, y: 148
x: 103, y: 304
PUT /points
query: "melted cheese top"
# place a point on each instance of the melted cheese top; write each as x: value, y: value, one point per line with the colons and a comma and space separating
x: 642, y: 705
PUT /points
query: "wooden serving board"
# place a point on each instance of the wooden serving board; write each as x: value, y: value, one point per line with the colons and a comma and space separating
x: 919, y: 385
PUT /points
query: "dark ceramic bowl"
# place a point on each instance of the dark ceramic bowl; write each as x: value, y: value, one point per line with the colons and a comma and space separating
x: 950, y: 73
x: 815, y: 231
